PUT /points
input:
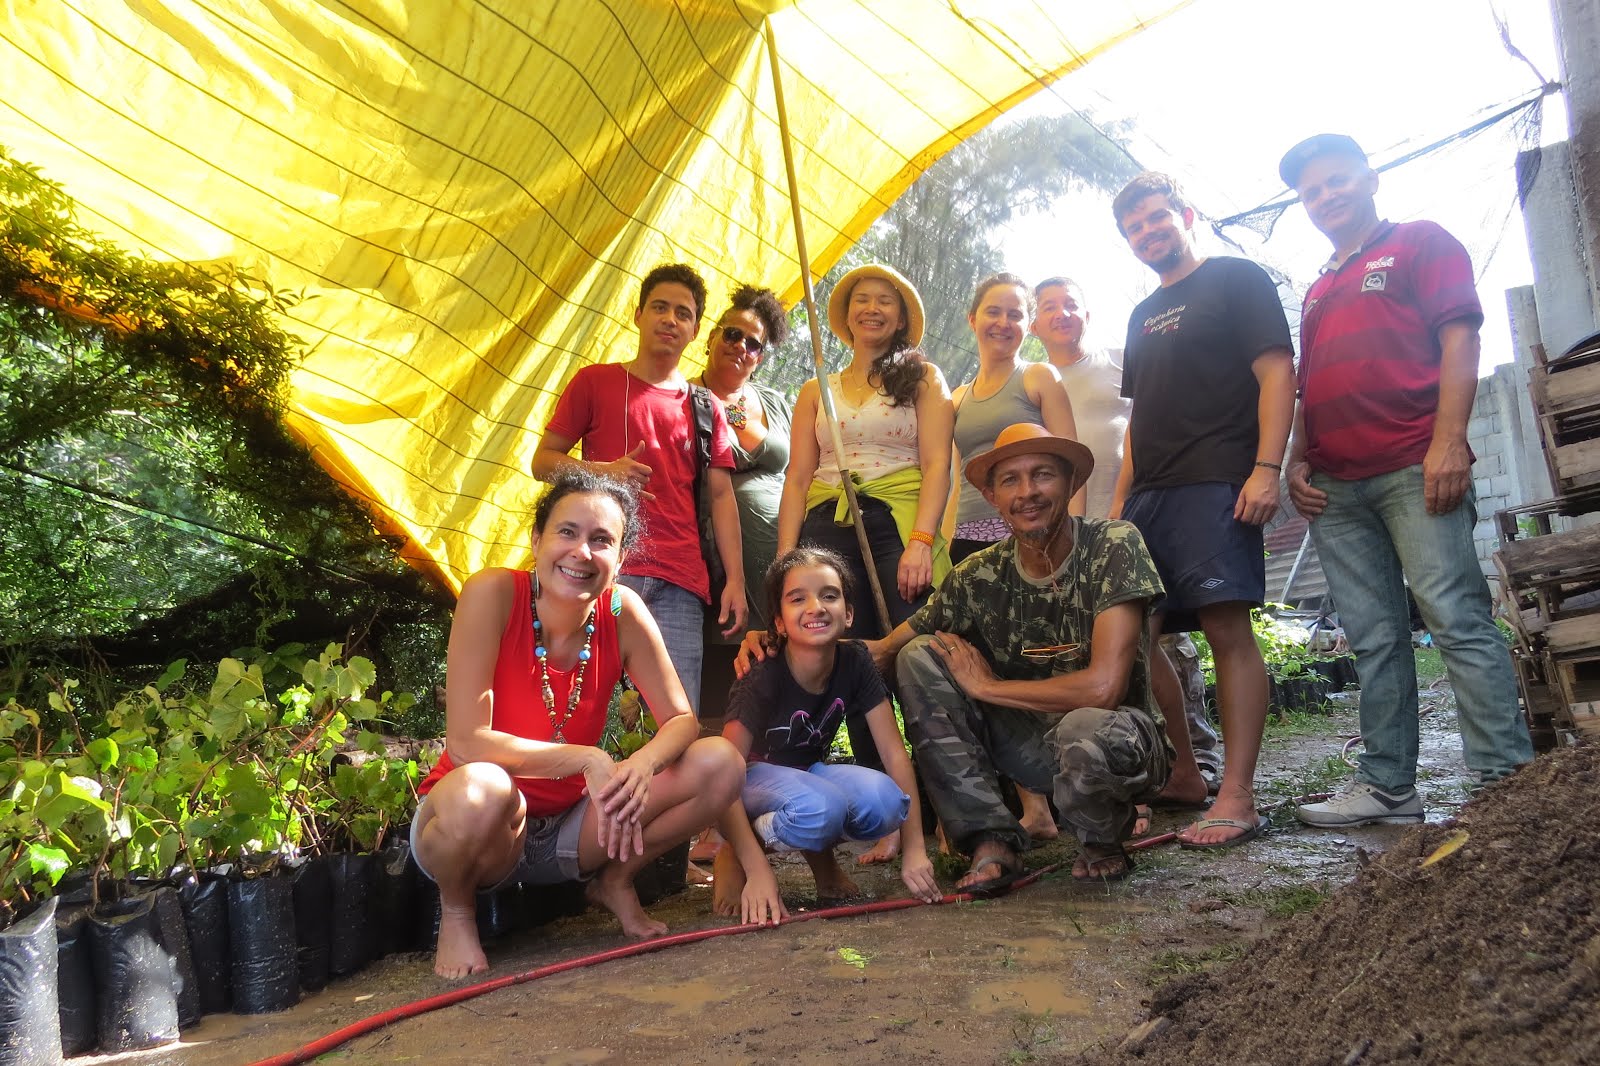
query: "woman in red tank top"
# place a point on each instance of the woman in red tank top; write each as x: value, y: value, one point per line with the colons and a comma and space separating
x: 522, y: 792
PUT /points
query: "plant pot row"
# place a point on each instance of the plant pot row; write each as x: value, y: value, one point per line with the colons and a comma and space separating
x: 152, y: 958
x: 1305, y: 692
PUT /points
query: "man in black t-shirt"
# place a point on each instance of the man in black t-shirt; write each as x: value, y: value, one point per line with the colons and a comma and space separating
x: 1210, y: 372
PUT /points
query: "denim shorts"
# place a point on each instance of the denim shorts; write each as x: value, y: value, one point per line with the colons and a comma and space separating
x: 549, y: 850
x: 1203, y: 554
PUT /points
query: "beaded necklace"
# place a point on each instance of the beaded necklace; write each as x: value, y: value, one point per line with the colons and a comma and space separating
x: 540, y: 653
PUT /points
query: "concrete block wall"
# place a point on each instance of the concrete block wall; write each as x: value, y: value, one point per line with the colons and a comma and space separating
x: 1494, y: 434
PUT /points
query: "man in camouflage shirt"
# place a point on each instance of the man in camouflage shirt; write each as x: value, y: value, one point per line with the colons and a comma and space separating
x: 1030, y: 661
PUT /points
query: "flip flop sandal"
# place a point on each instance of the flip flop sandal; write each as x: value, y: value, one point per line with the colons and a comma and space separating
x: 1251, y: 831
x: 1093, y: 879
x: 993, y: 886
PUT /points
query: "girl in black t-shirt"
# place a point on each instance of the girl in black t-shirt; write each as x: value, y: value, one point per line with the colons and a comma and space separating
x: 783, y: 716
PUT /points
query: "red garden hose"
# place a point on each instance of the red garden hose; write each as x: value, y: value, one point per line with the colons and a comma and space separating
x: 327, y: 1043
x: 322, y: 1046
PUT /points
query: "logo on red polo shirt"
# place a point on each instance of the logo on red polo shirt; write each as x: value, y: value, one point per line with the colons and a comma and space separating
x: 1375, y: 281
x: 1380, y: 264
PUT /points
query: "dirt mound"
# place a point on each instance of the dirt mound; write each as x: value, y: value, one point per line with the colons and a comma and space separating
x: 1491, y: 955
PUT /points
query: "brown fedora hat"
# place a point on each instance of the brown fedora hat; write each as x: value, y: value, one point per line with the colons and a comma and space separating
x: 1030, y: 438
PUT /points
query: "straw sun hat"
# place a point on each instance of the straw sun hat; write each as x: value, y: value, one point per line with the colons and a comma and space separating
x: 839, y: 301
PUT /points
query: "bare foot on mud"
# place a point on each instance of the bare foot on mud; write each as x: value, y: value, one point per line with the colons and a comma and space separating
x: 727, y: 884
x: 616, y: 895
x: 832, y: 881
x: 884, y: 850
x: 459, y: 952
x: 1037, y: 821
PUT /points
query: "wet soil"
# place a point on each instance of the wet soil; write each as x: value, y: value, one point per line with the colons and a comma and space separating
x: 1475, y: 942
x: 1044, y: 974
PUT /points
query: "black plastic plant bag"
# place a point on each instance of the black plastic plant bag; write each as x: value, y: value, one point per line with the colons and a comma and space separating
x: 313, y: 920
x: 205, y: 915
x: 175, y: 938
x: 392, y: 905
x: 30, y: 1030
x: 262, y: 945
x: 75, y: 980
x: 134, y: 1003
x: 351, y: 877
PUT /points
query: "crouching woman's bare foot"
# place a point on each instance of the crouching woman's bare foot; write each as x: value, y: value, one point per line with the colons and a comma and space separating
x: 459, y: 953
x: 832, y: 882
x: 884, y: 850
x: 613, y: 889
x: 727, y: 884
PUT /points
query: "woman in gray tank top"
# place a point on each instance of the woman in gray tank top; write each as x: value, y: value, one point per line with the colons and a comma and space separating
x: 1005, y: 391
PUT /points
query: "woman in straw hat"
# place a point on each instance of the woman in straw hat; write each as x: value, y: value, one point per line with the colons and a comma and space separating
x: 894, y: 421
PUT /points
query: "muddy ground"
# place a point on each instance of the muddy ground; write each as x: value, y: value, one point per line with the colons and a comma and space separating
x: 1050, y: 972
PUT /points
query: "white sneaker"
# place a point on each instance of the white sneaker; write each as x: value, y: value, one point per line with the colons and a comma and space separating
x: 762, y: 824
x: 1362, y: 804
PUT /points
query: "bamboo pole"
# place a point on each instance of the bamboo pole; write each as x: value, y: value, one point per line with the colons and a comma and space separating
x: 826, y: 395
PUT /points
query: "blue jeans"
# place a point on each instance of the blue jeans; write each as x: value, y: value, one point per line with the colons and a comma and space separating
x: 814, y: 809
x: 681, y: 617
x: 1373, y: 531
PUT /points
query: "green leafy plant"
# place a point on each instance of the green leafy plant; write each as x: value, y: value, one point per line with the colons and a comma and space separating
x: 246, y: 765
x: 1283, y: 645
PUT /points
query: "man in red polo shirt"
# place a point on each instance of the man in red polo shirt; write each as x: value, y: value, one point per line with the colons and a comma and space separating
x: 1381, y: 468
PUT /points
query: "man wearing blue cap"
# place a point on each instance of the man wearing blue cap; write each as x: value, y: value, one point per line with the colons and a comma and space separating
x: 1381, y: 468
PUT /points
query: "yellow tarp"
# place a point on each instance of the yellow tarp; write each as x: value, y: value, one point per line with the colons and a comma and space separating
x: 469, y: 192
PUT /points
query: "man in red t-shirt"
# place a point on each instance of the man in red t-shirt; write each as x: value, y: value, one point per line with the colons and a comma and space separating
x: 636, y: 423
x: 1381, y: 468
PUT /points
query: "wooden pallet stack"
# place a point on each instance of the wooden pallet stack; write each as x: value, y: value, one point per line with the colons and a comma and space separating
x: 1550, y: 580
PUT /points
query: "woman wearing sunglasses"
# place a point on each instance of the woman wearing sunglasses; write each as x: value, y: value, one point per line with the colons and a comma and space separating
x: 753, y: 325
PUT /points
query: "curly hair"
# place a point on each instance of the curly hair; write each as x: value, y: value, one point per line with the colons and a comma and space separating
x: 579, y: 481
x: 805, y: 555
x: 763, y: 303
x: 680, y: 274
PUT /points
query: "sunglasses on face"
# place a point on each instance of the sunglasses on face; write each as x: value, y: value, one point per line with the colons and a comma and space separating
x: 735, y: 335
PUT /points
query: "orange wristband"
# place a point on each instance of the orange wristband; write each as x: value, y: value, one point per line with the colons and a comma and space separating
x: 920, y: 537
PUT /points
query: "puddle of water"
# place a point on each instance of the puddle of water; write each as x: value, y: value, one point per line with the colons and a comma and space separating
x: 1033, y: 994
x: 682, y: 996
x: 1044, y: 948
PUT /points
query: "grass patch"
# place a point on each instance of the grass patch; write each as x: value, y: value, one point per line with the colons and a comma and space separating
x: 1279, y: 901
x: 1169, y: 964
x: 1430, y: 666
x: 1321, y: 775
x: 1030, y: 1033
x: 1298, y: 724
x: 948, y: 866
